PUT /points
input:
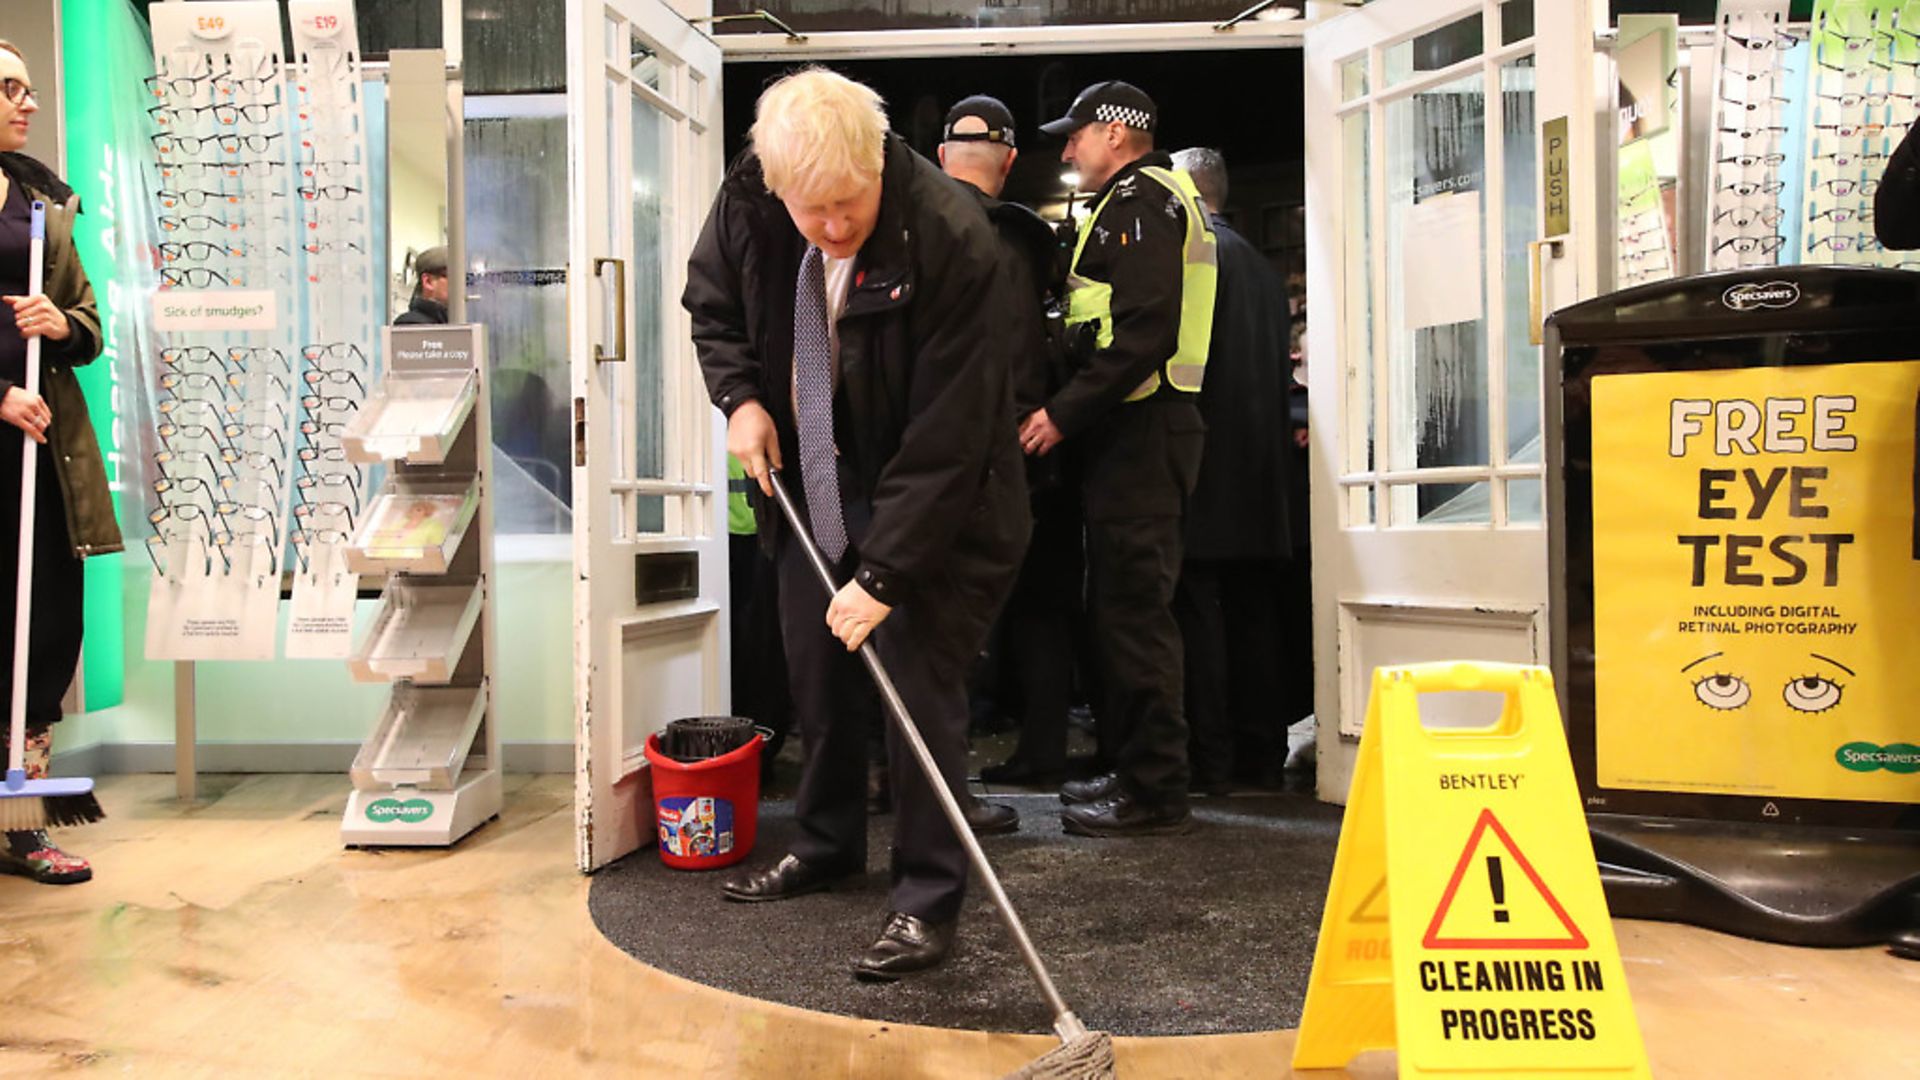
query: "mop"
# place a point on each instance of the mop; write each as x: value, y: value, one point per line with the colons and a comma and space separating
x: 1082, y: 1054
x: 34, y: 804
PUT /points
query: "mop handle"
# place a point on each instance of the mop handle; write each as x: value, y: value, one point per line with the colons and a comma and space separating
x: 1065, y: 1023
x: 23, y: 588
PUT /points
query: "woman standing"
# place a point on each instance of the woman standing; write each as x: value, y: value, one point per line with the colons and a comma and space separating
x: 73, y: 512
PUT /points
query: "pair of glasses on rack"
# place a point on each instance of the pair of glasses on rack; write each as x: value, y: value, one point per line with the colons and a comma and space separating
x: 257, y: 435
x: 198, y: 385
x: 1753, y: 41
x: 1756, y: 131
x: 328, y: 353
x: 198, y: 250
x: 1844, y: 187
x: 1746, y: 189
x: 1850, y: 129
x: 1748, y: 161
x: 1847, y: 159
x: 258, y: 462
x: 304, y: 540
x: 249, y: 169
x: 336, y: 376
x: 221, y: 82
x: 312, y: 511
x: 222, y: 112
x: 197, y: 277
x: 199, y: 223
x: 1751, y: 245
x: 1843, y: 242
x: 178, y: 463
x: 259, y: 142
x: 1742, y: 216
x: 1875, y: 98
x: 1839, y: 214
x: 334, y: 192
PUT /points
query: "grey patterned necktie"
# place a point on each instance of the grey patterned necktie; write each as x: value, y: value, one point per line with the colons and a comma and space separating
x: 813, y: 387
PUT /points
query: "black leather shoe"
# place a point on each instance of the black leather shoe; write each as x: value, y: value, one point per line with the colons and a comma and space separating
x: 1104, y: 786
x: 784, y: 880
x: 1122, y: 815
x: 1017, y: 770
x: 990, y: 819
x: 1905, y: 944
x: 908, y: 944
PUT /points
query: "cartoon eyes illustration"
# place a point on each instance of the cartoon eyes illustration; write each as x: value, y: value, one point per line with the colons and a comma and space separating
x: 1805, y: 694
x: 1812, y: 694
x: 1724, y: 692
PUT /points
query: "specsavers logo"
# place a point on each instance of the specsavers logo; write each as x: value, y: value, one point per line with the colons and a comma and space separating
x: 1753, y: 296
x: 1866, y: 757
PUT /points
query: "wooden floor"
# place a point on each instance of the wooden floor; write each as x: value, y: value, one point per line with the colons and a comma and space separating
x: 235, y: 938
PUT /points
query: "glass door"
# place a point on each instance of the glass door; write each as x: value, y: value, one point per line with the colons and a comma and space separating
x: 649, y: 523
x: 1444, y: 145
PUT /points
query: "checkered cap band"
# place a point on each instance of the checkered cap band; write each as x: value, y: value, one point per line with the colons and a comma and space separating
x: 1137, y: 119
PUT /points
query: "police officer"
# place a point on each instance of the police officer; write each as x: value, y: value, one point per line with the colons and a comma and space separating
x: 1140, y: 317
x: 1036, y: 629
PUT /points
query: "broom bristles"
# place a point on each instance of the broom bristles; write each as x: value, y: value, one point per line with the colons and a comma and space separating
x: 1084, y: 1057
x: 24, y: 813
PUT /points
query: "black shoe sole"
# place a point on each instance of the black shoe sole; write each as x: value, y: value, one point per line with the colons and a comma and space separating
x: 869, y: 975
x: 1076, y: 827
x: 1012, y: 826
x: 748, y: 898
x: 1067, y: 799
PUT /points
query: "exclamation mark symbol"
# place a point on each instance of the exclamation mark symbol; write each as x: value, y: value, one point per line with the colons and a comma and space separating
x: 1499, y: 888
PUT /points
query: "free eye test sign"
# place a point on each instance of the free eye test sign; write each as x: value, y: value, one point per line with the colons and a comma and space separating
x: 1756, y: 566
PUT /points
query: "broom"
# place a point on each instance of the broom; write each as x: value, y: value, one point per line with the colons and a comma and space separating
x: 1082, y: 1054
x: 34, y: 804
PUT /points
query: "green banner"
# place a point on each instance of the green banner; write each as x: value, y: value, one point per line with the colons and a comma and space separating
x: 107, y: 53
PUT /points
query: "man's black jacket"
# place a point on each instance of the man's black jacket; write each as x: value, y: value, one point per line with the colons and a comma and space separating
x: 1896, y: 206
x: 923, y: 415
x: 1238, y: 509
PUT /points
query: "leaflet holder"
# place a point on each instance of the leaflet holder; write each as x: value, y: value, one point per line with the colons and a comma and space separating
x: 420, y: 633
x: 415, y: 416
x: 423, y: 740
x: 414, y: 526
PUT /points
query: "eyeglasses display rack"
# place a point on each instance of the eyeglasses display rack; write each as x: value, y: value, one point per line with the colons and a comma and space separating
x: 1806, y: 117
x: 430, y: 772
x: 340, y: 361
x: 228, y: 315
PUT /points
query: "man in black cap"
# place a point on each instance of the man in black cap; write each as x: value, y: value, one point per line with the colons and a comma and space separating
x: 429, y: 304
x: 1036, y: 629
x: 1139, y: 321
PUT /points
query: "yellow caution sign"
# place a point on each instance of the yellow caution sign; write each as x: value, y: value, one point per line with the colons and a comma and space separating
x: 1465, y: 926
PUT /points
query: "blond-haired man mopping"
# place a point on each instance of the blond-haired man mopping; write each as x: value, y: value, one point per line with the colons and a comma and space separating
x: 836, y: 293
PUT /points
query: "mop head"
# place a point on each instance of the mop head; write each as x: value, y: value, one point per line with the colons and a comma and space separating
x: 1084, y: 1057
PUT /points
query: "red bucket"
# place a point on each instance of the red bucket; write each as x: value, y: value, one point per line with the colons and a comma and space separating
x: 707, y: 810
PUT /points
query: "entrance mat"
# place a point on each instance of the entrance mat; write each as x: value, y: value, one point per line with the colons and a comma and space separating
x: 1180, y: 935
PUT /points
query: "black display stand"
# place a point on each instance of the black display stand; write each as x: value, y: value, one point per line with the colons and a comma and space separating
x: 1796, y: 871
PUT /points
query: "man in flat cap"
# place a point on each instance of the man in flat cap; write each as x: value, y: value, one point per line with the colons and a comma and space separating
x: 1036, y: 630
x: 836, y: 294
x: 430, y: 286
x: 1139, y: 322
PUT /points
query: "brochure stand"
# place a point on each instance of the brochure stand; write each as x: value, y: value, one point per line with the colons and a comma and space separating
x: 430, y: 772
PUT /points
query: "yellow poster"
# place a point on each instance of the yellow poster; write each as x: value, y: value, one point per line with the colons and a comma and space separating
x: 1756, y: 579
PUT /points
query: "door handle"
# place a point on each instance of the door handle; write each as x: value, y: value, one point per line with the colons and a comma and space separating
x: 619, y: 353
x: 1537, y: 288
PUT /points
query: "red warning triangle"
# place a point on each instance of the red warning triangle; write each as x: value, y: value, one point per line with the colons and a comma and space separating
x: 1574, y: 939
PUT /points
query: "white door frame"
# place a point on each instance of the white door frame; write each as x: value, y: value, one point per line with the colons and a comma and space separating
x: 1387, y: 587
x: 638, y: 666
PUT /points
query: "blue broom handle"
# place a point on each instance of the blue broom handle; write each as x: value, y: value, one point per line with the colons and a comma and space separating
x: 29, y: 459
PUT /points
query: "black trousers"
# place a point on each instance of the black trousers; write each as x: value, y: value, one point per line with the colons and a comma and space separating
x: 1237, y: 695
x: 55, y: 634
x: 1037, y: 629
x: 832, y: 704
x: 759, y: 659
x: 1141, y: 463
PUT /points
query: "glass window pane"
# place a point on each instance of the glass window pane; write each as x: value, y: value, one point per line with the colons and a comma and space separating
x: 517, y: 248
x: 1516, y: 21
x: 1360, y: 507
x: 1524, y: 499
x: 1353, y: 78
x: 643, y: 63
x: 1437, y: 347
x: 650, y: 253
x: 1435, y: 49
x: 612, y: 438
x: 1455, y: 504
x: 1357, y: 303
x: 514, y: 46
x: 1521, y: 178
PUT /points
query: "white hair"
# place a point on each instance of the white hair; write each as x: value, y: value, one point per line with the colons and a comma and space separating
x: 816, y: 131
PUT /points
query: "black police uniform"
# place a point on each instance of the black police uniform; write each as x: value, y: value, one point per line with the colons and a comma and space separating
x: 1139, y: 461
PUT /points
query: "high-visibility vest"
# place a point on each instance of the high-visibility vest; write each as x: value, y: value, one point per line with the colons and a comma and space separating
x: 740, y: 520
x: 1089, y: 300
